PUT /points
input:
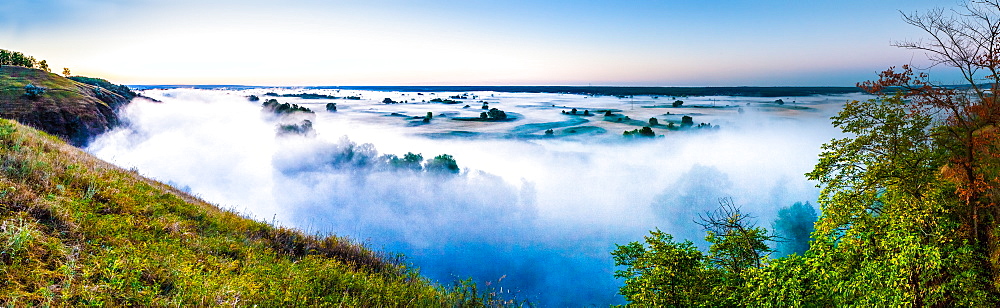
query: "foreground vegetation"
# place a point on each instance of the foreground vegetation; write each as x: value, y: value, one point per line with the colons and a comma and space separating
x: 909, y: 201
x: 77, y: 231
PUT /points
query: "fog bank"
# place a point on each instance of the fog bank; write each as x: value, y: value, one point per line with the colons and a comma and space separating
x: 544, y: 214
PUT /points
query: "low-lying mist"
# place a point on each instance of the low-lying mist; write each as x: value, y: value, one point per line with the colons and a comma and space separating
x: 537, y: 217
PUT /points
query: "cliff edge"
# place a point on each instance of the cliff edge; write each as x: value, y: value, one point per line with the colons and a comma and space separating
x: 72, y: 110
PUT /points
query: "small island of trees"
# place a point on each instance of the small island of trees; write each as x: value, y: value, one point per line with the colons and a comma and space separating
x: 273, y: 106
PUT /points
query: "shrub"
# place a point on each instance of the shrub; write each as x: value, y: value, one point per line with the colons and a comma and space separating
x: 33, y: 92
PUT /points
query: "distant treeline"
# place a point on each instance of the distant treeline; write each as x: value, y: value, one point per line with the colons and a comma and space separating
x: 611, y: 91
x: 622, y: 91
x: 302, y: 95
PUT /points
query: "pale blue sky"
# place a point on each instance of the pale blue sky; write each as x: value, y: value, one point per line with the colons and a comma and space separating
x: 541, y: 42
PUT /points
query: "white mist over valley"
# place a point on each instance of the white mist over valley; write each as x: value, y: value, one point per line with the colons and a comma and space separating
x: 535, y: 213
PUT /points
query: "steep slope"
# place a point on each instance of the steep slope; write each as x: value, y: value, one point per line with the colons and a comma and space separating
x: 66, y: 108
x: 76, y: 231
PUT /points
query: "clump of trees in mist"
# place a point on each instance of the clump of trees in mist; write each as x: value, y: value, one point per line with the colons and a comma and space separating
x: 493, y: 114
x: 304, y: 128
x: 352, y: 157
x: 909, y: 202
x: 645, y: 131
x: 793, y: 226
x: 444, y: 101
x: 442, y: 164
x: 273, y: 106
x: 574, y: 111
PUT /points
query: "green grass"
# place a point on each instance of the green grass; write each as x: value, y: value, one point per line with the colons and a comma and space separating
x: 77, y: 231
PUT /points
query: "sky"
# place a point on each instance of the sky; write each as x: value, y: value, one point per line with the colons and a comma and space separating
x: 470, y: 42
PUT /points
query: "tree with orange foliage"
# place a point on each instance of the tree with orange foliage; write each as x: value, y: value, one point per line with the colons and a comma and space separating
x: 918, y: 182
x: 968, y: 41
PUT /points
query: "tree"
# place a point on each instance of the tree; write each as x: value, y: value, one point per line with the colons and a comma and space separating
x: 664, y: 273
x: 687, y: 121
x: 66, y: 72
x: 671, y: 274
x: 967, y: 41
x: 442, y: 164
x: 410, y: 161
x: 44, y: 65
x: 964, y: 118
x: 794, y: 225
x: 427, y: 119
x: 736, y: 242
x: 884, y: 207
x: 496, y: 114
x: 653, y: 122
x: 677, y: 103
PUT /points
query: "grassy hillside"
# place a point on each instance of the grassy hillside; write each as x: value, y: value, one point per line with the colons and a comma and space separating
x: 77, y: 231
x: 69, y: 109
